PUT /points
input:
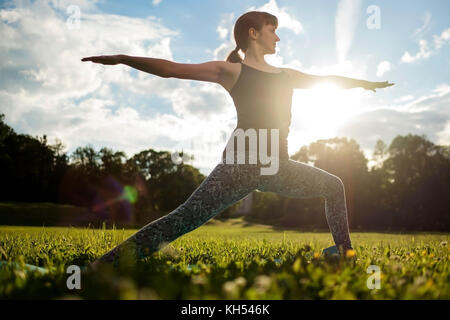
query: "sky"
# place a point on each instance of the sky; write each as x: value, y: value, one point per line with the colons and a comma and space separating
x: 46, y: 89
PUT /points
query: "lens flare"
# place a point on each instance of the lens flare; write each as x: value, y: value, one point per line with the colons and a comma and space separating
x: 130, y: 193
x: 123, y: 195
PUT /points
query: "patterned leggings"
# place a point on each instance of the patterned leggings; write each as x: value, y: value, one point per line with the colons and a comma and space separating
x: 229, y: 183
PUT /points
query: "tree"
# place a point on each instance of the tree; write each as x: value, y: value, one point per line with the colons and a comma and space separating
x: 419, y: 172
x: 88, y: 160
x: 379, y: 153
x: 112, y: 163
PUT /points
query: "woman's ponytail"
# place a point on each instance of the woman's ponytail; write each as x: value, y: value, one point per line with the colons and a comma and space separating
x: 234, y: 56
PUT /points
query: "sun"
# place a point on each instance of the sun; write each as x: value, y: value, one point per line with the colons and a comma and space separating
x: 320, y: 111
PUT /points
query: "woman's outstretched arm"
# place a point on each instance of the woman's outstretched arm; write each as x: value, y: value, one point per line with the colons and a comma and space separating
x: 158, y: 67
x: 305, y: 81
x: 212, y: 71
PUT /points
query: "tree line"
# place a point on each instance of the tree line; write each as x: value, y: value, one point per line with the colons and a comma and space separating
x: 407, y: 189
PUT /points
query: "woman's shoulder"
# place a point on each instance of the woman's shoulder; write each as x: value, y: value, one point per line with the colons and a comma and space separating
x: 231, y: 67
x: 230, y: 74
x: 290, y: 74
x: 288, y: 71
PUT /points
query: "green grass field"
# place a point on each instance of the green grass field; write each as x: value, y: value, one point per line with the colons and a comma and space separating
x: 227, y: 261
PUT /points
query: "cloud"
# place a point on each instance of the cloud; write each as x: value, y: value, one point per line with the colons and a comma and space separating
x: 425, y: 52
x: 383, y: 67
x: 444, y: 135
x: 405, y: 98
x: 156, y: 2
x: 440, y: 40
x: 222, y: 32
x: 347, y: 16
x: 84, y: 5
x: 205, y: 100
x: 46, y: 89
x: 354, y: 69
x: 285, y: 20
x: 225, y: 27
x: 48, y: 53
x: 425, y: 27
x: 425, y: 115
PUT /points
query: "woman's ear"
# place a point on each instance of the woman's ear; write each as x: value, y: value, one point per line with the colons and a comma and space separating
x: 252, y: 33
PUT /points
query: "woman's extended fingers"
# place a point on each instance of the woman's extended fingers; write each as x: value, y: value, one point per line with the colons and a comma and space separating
x: 110, y: 60
x: 96, y: 59
x: 384, y: 84
x: 93, y: 59
x: 377, y: 85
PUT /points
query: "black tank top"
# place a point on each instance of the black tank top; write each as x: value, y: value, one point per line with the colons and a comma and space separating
x: 263, y: 101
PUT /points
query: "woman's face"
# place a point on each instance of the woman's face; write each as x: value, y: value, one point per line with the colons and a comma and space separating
x: 268, y: 38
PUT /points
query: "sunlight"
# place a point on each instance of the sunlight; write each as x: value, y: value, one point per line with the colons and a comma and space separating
x: 321, y: 110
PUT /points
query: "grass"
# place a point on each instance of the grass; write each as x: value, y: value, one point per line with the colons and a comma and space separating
x: 227, y: 260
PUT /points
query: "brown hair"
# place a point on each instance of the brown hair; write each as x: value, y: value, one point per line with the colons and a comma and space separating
x: 251, y: 19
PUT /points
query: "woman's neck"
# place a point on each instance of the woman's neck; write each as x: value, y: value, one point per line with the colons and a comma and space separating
x: 255, y: 59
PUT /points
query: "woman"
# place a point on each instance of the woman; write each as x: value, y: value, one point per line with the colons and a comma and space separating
x: 262, y: 95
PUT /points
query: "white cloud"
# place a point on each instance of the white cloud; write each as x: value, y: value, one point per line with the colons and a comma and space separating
x: 223, y: 32
x: 427, y: 115
x: 285, y: 20
x: 424, y: 53
x: 46, y: 89
x: 425, y: 27
x: 440, y: 40
x: 383, y: 67
x: 84, y: 5
x: 426, y: 102
x: 156, y: 2
x: 346, y: 68
x: 48, y: 53
x: 444, y: 135
x: 206, y: 100
x: 347, y: 16
x: 442, y: 89
x: 225, y: 27
x: 405, y: 98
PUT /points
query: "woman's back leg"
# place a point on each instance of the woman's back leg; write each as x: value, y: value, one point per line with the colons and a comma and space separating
x: 225, y: 185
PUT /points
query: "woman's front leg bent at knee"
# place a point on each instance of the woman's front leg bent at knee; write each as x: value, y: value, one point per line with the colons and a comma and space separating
x: 299, y: 180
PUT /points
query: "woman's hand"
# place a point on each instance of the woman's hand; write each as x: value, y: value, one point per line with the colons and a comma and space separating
x: 368, y: 85
x: 109, y: 60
